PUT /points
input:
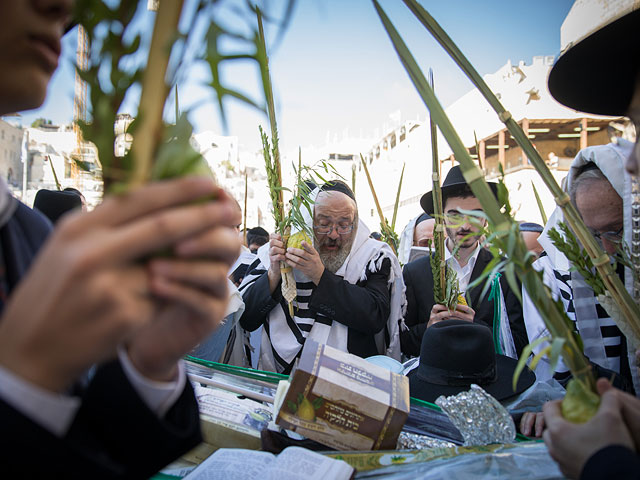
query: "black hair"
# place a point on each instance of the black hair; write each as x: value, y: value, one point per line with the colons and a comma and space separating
x: 257, y: 235
x: 462, y: 191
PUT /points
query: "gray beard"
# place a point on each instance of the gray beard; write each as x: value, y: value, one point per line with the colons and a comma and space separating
x: 333, y: 261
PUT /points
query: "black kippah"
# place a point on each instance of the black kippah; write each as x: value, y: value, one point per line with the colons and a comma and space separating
x: 531, y: 227
x: 422, y: 218
x: 338, y: 186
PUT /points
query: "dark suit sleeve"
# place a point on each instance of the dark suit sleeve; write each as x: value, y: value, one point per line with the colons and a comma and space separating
x: 258, y: 302
x: 419, y: 283
x: 411, y: 340
x: 113, y: 436
x: 363, y: 307
x: 411, y: 317
x: 114, y: 421
x: 615, y: 461
x: 515, y: 315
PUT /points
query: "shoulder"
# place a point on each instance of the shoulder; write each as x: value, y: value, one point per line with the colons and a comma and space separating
x: 417, y: 267
x: 29, y: 225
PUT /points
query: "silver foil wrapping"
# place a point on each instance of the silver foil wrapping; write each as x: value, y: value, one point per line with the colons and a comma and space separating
x: 481, y: 419
x: 413, y: 441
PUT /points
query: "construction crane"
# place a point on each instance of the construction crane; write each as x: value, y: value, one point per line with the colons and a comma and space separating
x: 80, y: 96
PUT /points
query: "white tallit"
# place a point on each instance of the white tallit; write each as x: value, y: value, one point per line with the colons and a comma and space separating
x: 366, y: 255
x: 610, y: 160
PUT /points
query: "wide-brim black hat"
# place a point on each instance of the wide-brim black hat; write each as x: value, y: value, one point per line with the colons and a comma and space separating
x: 54, y: 204
x: 598, y: 74
x: 454, y: 354
x: 453, y: 182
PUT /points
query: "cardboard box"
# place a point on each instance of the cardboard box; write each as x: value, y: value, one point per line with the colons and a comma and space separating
x: 344, y: 402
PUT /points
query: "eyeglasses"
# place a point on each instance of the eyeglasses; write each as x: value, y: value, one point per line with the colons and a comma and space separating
x: 612, y: 237
x: 327, y: 229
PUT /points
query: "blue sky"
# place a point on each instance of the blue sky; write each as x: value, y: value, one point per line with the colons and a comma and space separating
x: 336, y: 71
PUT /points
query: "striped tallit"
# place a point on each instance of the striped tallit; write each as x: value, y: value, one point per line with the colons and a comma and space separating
x: 284, y: 336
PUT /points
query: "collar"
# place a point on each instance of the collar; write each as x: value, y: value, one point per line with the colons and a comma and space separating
x: 472, y: 259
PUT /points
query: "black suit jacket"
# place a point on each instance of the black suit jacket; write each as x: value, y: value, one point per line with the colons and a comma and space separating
x: 114, y: 435
x: 419, y: 282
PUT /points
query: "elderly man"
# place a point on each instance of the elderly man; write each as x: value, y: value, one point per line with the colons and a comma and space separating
x: 530, y: 233
x: 596, y: 184
x: 417, y: 233
x: 349, y: 288
x: 595, y: 75
x: 469, y: 262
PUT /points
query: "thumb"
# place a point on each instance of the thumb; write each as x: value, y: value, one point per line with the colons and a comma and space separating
x: 603, y: 385
x: 609, y: 402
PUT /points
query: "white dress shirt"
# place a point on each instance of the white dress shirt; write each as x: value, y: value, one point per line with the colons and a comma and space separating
x: 463, y: 273
x: 56, y: 411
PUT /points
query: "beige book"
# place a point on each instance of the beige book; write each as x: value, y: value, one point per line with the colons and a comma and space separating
x: 292, y: 463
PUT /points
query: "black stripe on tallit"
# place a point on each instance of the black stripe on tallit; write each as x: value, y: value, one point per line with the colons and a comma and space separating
x: 613, y: 350
x: 602, y: 313
x: 290, y: 322
x: 305, y: 313
x: 609, y: 331
x: 324, y: 320
x: 286, y: 367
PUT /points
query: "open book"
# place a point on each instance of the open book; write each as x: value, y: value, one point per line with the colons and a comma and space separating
x: 293, y: 463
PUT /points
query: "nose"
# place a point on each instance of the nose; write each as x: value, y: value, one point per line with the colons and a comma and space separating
x: 58, y: 10
x: 334, y: 234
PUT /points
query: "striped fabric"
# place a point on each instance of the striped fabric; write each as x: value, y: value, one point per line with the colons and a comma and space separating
x: 292, y: 333
x: 601, y: 337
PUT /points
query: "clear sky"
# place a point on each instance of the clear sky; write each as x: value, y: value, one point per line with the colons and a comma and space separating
x: 336, y: 71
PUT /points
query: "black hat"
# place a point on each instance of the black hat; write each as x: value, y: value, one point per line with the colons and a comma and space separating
x: 53, y: 204
x: 454, y: 354
x: 453, y: 183
x: 598, y: 74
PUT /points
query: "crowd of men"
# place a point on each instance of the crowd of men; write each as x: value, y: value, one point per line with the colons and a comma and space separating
x: 94, y: 327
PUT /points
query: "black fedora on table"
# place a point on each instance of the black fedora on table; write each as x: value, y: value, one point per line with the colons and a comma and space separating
x: 454, y: 182
x: 598, y: 73
x: 454, y: 354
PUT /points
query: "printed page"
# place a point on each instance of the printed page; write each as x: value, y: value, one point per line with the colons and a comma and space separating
x: 233, y: 464
x: 296, y: 463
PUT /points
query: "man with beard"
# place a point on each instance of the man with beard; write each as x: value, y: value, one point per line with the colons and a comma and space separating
x: 595, y: 75
x: 468, y: 258
x: 349, y: 288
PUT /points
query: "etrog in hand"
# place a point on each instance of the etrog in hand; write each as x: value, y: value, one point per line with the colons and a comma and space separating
x: 295, y: 240
x: 580, y: 403
x: 462, y: 300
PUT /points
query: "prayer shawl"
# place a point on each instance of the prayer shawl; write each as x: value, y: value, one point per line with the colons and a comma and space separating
x: 406, y: 241
x: 286, y: 338
x: 600, y: 335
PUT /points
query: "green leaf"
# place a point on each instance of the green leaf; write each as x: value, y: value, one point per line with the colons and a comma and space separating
x: 524, y: 357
